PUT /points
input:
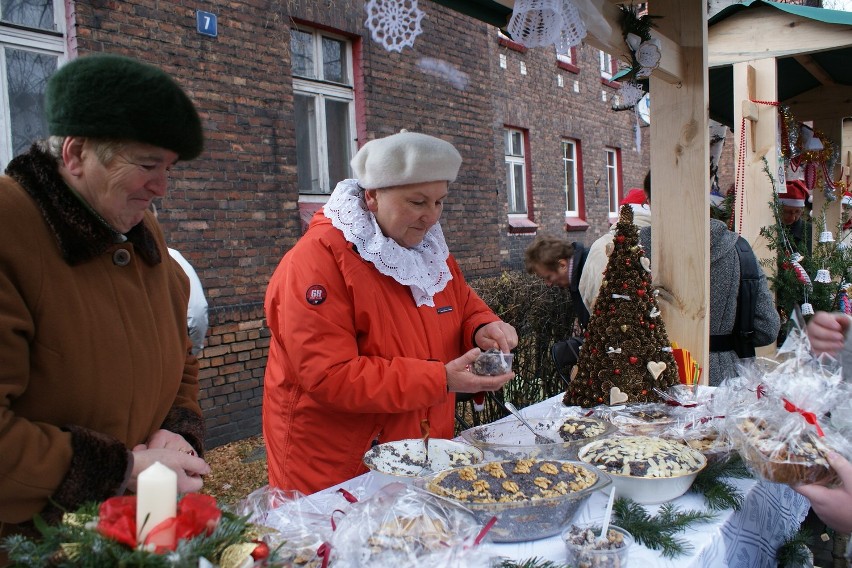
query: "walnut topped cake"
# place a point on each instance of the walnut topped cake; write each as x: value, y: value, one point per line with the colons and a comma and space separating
x: 513, y: 481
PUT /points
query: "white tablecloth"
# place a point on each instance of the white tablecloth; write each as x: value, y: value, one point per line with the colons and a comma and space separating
x: 747, y: 538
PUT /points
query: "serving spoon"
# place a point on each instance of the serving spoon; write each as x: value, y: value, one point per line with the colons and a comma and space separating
x: 539, y: 439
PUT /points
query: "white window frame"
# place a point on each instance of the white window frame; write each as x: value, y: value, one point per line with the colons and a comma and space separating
x: 612, y: 171
x: 566, y: 57
x: 574, y: 164
x: 512, y: 161
x: 606, y: 65
x: 322, y: 91
x: 15, y: 36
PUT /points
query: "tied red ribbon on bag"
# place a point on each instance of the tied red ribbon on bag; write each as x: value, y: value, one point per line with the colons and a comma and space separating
x: 809, y: 417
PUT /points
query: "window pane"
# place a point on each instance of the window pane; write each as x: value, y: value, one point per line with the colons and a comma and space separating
x: 570, y: 177
x: 30, y: 13
x: 302, y: 53
x: 26, y: 75
x: 306, y: 142
x: 338, y: 136
x: 333, y: 67
x: 517, y: 144
x: 520, y: 197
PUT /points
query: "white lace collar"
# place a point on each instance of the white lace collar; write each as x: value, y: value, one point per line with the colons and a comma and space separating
x: 422, y: 268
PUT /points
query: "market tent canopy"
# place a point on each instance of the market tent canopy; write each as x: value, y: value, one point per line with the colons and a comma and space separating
x: 812, y: 48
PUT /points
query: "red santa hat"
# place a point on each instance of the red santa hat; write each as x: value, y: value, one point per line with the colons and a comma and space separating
x: 796, y: 194
x: 635, y: 196
x: 847, y: 199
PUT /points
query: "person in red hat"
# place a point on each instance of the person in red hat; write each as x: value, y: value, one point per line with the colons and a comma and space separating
x: 792, y: 207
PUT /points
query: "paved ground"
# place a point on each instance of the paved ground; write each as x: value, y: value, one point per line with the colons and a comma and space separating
x: 824, y: 550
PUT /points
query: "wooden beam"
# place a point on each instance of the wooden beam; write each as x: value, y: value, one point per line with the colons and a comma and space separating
x: 756, y: 80
x: 824, y: 102
x: 766, y: 32
x: 680, y: 166
x: 814, y: 69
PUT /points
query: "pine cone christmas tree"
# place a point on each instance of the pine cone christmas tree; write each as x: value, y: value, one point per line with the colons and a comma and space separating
x: 626, y: 351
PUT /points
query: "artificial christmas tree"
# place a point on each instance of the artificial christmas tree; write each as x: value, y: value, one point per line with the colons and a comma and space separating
x: 626, y: 352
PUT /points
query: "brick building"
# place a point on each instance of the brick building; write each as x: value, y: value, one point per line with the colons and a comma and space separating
x: 287, y: 91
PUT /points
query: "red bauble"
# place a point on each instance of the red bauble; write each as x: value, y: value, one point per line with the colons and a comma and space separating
x: 261, y: 551
x: 617, y: 371
x: 640, y: 291
x: 633, y: 360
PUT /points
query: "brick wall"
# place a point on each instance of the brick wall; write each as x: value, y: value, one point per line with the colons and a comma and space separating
x: 235, y: 211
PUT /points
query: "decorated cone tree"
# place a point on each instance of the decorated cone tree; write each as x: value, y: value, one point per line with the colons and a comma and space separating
x: 626, y: 351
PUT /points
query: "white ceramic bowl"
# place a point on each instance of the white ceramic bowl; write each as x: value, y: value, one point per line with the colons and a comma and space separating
x: 647, y: 490
x: 405, y: 460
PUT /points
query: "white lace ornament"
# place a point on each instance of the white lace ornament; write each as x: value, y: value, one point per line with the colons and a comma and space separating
x: 422, y: 268
x: 393, y: 23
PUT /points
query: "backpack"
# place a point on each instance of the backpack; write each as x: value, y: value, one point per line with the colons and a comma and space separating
x: 741, y: 338
x: 743, y: 332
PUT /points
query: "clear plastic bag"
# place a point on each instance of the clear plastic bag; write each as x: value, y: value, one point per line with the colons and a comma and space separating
x: 300, y: 524
x: 402, y: 525
x: 776, y: 414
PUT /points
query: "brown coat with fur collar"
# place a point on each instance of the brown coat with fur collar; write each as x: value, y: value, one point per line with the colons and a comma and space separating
x: 94, y: 353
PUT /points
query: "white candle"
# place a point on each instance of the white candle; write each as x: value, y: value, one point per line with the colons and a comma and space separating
x: 156, y: 501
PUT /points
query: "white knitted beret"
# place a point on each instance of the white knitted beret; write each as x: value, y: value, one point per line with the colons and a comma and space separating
x: 405, y: 158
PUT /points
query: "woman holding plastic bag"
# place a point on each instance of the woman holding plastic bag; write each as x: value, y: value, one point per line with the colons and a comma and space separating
x: 829, y: 333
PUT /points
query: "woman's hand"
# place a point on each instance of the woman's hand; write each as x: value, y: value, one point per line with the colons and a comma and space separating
x: 167, y: 440
x: 496, y: 335
x: 460, y: 379
x: 189, y: 468
x: 827, y: 332
x: 833, y: 505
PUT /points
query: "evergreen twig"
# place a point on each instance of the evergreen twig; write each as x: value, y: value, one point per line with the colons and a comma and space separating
x: 718, y: 493
x: 529, y: 563
x: 657, y: 532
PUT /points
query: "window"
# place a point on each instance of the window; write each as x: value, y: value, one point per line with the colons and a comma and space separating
x: 570, y: 168
x: 324, y: 101
x: 33, y: 46
x: 607, y: 66
x: 613, y: 179
x: 516, y: 171
x: 567, y: 60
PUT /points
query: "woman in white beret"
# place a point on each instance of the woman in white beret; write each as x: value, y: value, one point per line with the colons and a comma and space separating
x: 373, y: 325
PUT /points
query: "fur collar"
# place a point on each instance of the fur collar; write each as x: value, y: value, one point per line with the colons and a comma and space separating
x: 80, y: 234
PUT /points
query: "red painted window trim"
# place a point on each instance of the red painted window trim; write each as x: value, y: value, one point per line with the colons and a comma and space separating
x: 513, y: 45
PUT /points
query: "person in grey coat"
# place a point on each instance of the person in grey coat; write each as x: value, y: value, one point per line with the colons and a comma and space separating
x: 724, y: 288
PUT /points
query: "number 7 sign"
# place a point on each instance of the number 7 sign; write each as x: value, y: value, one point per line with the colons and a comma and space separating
x: 206, y: 23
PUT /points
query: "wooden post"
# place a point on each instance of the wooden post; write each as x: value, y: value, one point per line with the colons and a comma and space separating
x: 753, y: 208
x: 680, y: 172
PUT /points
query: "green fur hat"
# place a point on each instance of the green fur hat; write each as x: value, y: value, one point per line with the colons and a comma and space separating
x: 118, y: 98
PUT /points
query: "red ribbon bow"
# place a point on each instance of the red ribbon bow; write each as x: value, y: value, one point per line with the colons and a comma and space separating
x: 810, y: 417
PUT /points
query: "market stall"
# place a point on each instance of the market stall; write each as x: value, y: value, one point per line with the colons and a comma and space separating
x: 770, y: 513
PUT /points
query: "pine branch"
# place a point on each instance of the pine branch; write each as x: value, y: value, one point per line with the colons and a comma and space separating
x: 794, y: 551
x: 657, y: 532
x: 719, y: 494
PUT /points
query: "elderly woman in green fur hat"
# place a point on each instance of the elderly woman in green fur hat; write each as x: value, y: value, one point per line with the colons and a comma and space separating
x: 97, y: 380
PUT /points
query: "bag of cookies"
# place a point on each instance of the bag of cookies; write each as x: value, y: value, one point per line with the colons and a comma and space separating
x: 402, y: 525
x: 777, y: 415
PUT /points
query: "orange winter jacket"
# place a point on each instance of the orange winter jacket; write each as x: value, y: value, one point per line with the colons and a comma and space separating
x: 352, y: 360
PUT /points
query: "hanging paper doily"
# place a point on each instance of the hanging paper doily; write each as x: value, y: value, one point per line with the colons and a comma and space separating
x: 573, y: 28
x: 394, y: 23
x: 536, y: 23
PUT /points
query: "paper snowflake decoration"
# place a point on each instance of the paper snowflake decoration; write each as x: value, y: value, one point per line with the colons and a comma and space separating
x: 394, y: 23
